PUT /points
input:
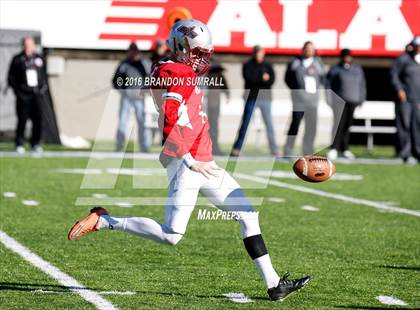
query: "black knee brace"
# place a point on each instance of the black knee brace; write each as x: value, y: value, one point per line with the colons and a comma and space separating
x: 255, y: 246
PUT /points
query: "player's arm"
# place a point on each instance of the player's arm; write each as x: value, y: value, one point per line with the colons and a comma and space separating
x: 181, y: 137
x: 175, y: 137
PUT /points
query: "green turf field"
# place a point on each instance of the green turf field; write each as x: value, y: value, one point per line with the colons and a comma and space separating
x: 354, y: 252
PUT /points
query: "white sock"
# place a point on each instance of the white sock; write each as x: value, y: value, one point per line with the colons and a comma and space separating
x: 267, y: 271
x: 140, y: 226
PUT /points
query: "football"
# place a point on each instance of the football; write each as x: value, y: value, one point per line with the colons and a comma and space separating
x: 314, y: 168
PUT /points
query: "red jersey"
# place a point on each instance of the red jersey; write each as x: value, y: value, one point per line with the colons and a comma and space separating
x: 182, y: 120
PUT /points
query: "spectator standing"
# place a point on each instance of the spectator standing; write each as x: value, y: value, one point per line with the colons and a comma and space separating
x: 259, y: 78
x: 130, y: 70
x: 405, y: 78
x: 28, y: 78
x: 213, y: 102
x: 347, y: 81
x: 304, y: 76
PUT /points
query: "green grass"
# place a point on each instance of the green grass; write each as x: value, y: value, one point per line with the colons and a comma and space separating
x: 354, y: 252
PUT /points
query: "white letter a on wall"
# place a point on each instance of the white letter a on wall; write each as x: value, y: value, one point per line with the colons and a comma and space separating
x: 240, y: 16
x: 377, y: 18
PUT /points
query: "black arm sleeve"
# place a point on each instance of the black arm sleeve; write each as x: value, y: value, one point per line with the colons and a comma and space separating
x: 289, y: 78
x: 44, y: 78
x: 363, y: 85
x: 117, y: 74
x: 250, y: 74
x: 322, y: 73
x: 395, y: 72
x: 270, y: 82
x: 11, y: 76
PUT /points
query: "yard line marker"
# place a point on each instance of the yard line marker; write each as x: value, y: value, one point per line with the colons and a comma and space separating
x: 55, y: 273
x: 356, y: 201
x: 238, y: 298
x: 99, y: 195
x: 276, y: 199
x: 391, y: 300
x: 9, y: 194
x: 30, y: 203
x: 310, y: 208
x: 124, y: 204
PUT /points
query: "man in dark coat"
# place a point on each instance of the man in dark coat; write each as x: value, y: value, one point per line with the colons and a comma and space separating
x: 405, y: 78
x: 259, y: 78
x: 28, y: 79
x: 348, y: 83
x: 305, y: 75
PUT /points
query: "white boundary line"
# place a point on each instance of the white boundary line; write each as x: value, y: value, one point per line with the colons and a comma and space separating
x: 356, y: 201
x: 55, y: 273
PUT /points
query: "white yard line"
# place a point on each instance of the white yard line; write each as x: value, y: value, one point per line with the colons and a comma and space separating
x: 155, y: 156
x: 128, y: 202
x: 356, y: 201
x: 283, y: 174
x: 61, y: 277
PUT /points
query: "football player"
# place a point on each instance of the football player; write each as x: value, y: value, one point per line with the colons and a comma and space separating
x: 187, y: 157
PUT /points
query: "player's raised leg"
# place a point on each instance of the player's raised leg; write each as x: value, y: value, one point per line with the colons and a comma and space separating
x: 182, y: 197
x: 100, y: 219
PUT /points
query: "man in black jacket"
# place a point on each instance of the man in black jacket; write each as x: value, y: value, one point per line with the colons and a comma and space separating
x: 304, y: 76
x: 28, y: 79
x: 405, y: 78
x: 347, y: 81
x: 259, y: 77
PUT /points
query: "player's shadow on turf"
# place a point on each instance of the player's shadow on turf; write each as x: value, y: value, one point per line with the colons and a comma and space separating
x: 14, y: 286
x: 31, y: 287
x: 414, y: 268
x: 198, y: 296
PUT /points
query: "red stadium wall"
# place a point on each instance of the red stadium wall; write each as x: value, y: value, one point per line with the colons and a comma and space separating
x: 370, y: 28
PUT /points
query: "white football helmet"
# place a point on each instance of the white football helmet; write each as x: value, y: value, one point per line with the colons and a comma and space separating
x: 190, y: 42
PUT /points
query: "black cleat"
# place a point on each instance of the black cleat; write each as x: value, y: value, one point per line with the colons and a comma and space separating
x: 287, y: 287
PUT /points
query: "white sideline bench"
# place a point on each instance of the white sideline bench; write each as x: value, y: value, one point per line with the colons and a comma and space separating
x: 374, y: 110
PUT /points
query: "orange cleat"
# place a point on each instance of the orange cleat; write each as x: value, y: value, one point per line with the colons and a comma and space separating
x: 89, y: 224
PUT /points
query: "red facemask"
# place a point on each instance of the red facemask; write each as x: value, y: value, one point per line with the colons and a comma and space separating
x: 199, y: 60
